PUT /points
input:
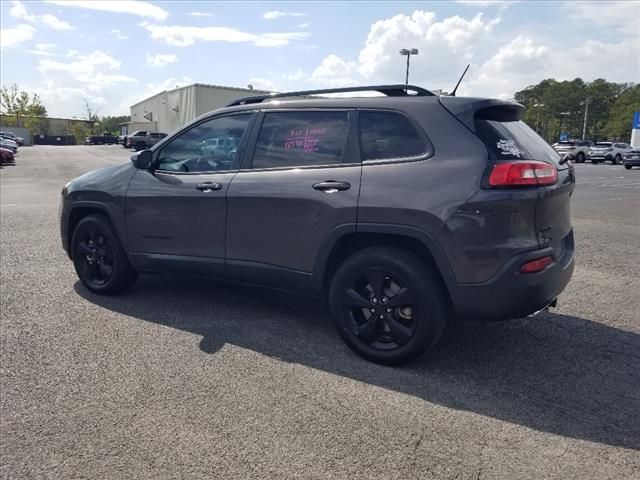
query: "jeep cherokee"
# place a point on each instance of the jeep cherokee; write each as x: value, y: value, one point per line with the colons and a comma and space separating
x: 407, y: 210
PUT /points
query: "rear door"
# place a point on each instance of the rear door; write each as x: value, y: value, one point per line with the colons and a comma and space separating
x: 508, y: 138
x: 301, y: 181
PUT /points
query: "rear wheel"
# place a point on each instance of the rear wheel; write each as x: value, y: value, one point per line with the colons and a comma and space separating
x: 387, y: 305
x: 628, y: 167
x: 98, y: 257
x: 617, y: 160
x: 580, y: 157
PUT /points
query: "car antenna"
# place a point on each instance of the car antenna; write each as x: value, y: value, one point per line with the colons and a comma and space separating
x: 453, y: 94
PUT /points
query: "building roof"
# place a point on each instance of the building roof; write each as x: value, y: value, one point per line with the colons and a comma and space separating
x: 205, y: 85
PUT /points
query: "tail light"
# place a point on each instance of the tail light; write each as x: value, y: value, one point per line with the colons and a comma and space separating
x: 523, y: 173
x: 537, y: 265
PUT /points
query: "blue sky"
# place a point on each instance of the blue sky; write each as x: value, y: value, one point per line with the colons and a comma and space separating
x: 115, y: 53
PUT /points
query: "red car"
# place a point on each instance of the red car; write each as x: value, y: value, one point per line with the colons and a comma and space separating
x: 6, y: 157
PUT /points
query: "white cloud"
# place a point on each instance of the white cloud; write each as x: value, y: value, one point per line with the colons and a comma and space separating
x: 118, y: 34
x: 10, y: 37
x: 517, y: 63
x: 43, y: 49
x: 18, y: 10
x: 183, y: 36
x: 275, y: 14
x: 263, y: 84
x: 94, y: 71
x: 199, y: 14
x: 161, y: 59
x: 139, y: 8
x: 487, y: 3
x: 303, y: 25
x: 335, y: 72
x: 621, y: 17
x: 55, y: 23
x: 445, y: 46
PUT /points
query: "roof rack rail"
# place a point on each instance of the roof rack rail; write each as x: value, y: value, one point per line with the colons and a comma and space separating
x: 388, y: 90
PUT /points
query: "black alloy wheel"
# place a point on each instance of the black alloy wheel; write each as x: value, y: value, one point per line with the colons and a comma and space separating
x: 95, y: 256
x: 580, y: 157
x: 381, y: 309
x: 98, y: 257
x: 388, y: 305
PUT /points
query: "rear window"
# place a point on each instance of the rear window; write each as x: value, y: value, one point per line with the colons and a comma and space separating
x: 603, y: 144
x: 389, y: 135
x: 509, y: 138
x: 566, y: 144
x: 292, y: 139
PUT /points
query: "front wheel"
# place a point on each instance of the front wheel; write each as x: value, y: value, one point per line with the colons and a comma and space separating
x: 617, y: 160
x: 387, y: 305
x: 628, y: 167
x: 98, y: 257
x: 580, y: 157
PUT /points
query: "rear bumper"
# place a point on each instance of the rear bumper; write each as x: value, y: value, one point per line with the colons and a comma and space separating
x: 511, y: 294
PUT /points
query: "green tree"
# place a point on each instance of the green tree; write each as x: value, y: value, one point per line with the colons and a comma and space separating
x: 553, y: 107
x: 80, y: 130
x: 619, y: 121
x: 112, y: 124
x: 23, y: 109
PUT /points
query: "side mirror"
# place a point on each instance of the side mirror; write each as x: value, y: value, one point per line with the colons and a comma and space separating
x: 142, y: 160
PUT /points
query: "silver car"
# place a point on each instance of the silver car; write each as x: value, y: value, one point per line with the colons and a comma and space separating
x: 608, y: 151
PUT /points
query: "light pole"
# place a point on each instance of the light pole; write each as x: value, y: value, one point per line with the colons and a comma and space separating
x: 408, y: 53
x: 538, y: 106
x: 584, y: 123
x: 563, y: 115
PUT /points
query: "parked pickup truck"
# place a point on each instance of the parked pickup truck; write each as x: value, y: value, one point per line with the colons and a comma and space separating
x: 142, y: 140
x: 104, y: 139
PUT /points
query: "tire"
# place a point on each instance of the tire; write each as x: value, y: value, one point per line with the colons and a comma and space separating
x: 580, y: 157
x: 628, y: 167
x: 617, y: 160
x: 99, y: 260
x: 367, y: 300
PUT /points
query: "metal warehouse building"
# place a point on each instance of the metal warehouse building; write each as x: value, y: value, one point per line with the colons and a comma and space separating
x: 168, y: 110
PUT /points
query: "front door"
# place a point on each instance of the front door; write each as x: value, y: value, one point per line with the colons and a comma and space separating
x: 177, y: 212
x: 301, y: 181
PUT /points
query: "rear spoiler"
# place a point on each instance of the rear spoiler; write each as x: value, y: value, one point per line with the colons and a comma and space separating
x: 465, y: 109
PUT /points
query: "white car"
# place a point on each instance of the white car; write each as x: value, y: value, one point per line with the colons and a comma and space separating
x: 608, y: 151
x: 9, y: 144
x: 575, y: 149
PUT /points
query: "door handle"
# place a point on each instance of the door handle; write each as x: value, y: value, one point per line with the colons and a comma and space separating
x: 209, y: 186
x: 331, y: 186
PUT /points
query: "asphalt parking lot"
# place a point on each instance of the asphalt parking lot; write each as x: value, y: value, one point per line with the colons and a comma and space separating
x: 187, y: 378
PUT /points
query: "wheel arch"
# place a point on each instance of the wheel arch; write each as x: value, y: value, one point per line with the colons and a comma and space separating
x: 83, y: 210
x: 345, y: 242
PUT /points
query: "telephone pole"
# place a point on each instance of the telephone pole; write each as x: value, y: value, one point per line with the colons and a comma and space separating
x: 584, y: 123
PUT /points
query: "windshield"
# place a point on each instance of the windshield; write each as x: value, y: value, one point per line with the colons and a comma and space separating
x: 602, y: 145
x: 566, y: 144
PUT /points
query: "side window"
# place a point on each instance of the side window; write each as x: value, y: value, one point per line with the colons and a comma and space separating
x: 209, y: 146
x: 388, y: 135
x: 295, y: 139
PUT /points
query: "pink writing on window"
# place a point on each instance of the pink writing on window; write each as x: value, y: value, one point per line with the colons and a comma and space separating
x: 306, y: 140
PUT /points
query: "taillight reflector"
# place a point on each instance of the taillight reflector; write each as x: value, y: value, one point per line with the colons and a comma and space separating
x: 522, y: 173
x: 536, y: 265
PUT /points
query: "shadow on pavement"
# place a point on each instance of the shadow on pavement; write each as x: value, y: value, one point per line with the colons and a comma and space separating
x: 554, y: 373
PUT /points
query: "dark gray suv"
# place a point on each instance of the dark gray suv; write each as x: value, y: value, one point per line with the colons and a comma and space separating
x: 407, y: 210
